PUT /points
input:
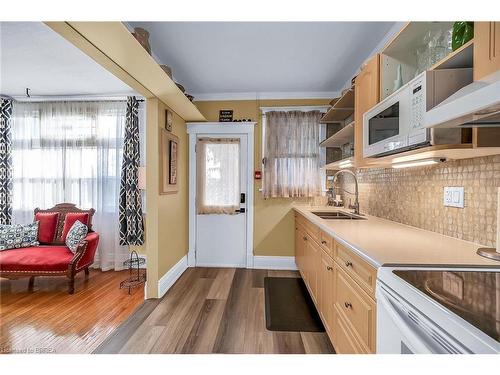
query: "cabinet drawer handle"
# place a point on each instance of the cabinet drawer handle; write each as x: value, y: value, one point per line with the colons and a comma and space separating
x: 329, y: 268
x: 348, y: 263
x: 348, y: 305
x: 324, y: 242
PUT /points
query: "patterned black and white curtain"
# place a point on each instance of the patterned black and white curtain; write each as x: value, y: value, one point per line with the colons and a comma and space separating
x: 5, y: 161
x: 131, y: 220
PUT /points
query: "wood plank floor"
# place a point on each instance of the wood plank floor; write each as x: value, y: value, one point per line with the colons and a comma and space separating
x: 211, y: 310
x: 48, y: 319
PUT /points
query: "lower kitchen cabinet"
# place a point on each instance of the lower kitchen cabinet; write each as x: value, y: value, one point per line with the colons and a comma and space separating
x: 326, y: 290
x: 341, y: 285
x: 357, y: 308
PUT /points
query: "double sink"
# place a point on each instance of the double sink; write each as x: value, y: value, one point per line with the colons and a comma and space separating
x: 337, y: 215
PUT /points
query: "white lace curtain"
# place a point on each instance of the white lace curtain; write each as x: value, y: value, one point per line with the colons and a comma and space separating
x: 291, y: 154
x: 71, y: 152
x: 218, y: 174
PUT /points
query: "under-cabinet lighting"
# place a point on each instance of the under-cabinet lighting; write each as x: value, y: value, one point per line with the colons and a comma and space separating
x: 345, y: 164
x: 418, y: 163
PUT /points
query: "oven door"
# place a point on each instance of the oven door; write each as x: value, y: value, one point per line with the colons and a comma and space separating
x: 385, y: 126
x: 402, y: 329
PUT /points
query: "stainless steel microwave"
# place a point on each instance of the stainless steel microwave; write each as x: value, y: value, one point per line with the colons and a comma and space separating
x: 397, y: 123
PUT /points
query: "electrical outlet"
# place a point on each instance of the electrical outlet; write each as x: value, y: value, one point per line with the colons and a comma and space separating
x: 454, y: 196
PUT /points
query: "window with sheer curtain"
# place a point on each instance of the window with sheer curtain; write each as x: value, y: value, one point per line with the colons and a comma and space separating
x: 218, y: 174
x: 291, y: 154
x: 71, y: 152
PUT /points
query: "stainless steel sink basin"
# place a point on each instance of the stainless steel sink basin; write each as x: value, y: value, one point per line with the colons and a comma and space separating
x: 337, y: 215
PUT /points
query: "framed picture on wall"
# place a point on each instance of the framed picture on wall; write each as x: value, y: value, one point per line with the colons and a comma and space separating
x: 169, y: 157
x: 173, y: 163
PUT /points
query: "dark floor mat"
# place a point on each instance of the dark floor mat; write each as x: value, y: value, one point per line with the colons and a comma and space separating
x: 289, y: 306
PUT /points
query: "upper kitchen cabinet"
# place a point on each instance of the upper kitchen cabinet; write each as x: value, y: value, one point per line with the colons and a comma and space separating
x: 486, y: 49
x: 367, y: 92
x: 419, y: 46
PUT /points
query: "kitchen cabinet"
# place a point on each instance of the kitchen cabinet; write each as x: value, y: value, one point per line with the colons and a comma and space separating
x: 486, y: 49
x: 364, y: 274
x: 300, y: 243
x: 366, y: 95
x: 357, y: 308
x: 342, y: 286
x: 313, y: 265
x: 326, y: 290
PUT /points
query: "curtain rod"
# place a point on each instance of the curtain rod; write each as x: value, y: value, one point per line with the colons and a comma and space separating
x: 88, y: 98
x: 301, y: 108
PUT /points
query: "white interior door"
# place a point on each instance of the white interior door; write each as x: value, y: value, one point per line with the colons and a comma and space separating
x: 221, y: 197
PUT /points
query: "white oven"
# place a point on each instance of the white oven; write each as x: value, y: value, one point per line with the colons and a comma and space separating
x: 397, y: 123
x: 410, y: 322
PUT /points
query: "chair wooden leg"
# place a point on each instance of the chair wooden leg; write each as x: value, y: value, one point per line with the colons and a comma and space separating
x: 71, y: 285
x: 87, y: 272
x: 31, y: 283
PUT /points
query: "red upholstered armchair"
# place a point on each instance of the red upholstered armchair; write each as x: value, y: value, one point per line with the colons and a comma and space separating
x: 53, y: 257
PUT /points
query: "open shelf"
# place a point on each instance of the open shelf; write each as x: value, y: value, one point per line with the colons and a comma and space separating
x: 401, y: 51
x: 114, y: 47
x: 460, y: 58
x: 336, y: 164
x: 341, y: 109
x: 343, y: 136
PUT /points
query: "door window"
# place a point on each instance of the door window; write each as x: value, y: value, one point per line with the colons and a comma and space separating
x: 218, y: 174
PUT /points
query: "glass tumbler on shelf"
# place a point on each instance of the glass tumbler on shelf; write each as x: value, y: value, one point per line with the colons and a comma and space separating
x: 438, y: 46
x: 422, y: 54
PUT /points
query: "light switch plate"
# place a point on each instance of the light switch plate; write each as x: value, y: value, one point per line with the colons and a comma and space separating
x: 454, y: 196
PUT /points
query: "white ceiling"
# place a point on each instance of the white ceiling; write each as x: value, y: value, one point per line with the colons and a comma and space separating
x: 211, y: 58
x: 33, y: 55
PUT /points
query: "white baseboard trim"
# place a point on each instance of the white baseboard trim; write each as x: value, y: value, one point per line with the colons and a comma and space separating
x: 167, y: 280
x: 220, y: 265
x: 274, y: 263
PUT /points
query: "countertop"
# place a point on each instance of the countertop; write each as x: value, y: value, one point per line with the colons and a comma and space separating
x: 383, y: 242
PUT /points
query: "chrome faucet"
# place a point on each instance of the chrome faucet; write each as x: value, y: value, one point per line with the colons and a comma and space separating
x: 356, y: 192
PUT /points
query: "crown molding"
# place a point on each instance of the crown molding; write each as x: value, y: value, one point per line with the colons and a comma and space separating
x: 230, y: 96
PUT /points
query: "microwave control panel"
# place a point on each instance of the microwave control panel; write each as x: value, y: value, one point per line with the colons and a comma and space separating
x: 418, y: 104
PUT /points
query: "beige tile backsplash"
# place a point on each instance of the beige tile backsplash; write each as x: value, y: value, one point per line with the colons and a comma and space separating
x: 414, y: 196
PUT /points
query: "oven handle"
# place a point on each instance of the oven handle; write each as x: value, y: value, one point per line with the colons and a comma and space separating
x: 404, y: 328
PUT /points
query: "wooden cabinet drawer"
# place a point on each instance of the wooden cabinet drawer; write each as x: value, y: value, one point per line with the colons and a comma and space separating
x: 343, y: 337
x: 357, y: 307
x: 364, y: 274
x: 309, y: 227
x: 326, y: 243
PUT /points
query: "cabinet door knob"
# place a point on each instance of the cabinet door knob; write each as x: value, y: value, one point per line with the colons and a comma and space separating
x: 348, y: 263
x: 323, y: 242
x: 348, y: 305
x: 304, y: 238
x: 329, y: 268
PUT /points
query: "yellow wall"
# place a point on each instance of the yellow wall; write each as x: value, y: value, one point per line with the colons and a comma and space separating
x: 273, y: 218
x: 167, y: 234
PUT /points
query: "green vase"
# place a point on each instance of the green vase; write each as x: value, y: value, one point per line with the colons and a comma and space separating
x: 462, y: 33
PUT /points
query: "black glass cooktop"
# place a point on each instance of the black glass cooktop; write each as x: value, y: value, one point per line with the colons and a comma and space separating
x: 473, y: 295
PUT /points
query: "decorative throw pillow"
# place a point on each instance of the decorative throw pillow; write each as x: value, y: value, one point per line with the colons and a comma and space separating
x: 48, y: 226
x: 18, y: 235
x: 70, y: 219
x: 77, y: 233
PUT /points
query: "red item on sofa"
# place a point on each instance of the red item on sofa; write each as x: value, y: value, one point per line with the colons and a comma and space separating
x: 47, y: 226
x: 70, y: 219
